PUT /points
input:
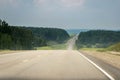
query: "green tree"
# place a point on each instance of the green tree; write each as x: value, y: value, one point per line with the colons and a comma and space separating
x: 5, y: 41
x: 4, y: 24
x: 0, y: 22
x: 98, y: 38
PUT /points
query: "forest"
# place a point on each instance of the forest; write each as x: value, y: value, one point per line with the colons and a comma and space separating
x: 26, y: 38
x: 98, y: 39
x: 50, y: 34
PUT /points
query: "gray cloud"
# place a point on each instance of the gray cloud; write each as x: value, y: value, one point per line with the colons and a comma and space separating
x: 72, y: 3
x: 61, y: 3
x: 60, y: 13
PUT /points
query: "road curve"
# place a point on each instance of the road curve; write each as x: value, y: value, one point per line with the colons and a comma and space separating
x: 48, y: 65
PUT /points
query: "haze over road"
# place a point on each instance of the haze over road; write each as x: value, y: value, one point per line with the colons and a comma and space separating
x: 48, y: 65
x: 71, y: 42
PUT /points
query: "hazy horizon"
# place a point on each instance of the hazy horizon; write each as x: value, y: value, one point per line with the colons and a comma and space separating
x: 65, y: 14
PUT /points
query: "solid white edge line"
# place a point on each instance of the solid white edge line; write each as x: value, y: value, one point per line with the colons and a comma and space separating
x: 102, y: 70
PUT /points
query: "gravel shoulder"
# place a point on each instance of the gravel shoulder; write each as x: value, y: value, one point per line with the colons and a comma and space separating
x: 112, y: 58
x: 106, y: 60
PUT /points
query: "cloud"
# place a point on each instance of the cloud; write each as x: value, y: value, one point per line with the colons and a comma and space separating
x: 9, y: 2
x: 72, y: 3
x: 39, y: 2
x: 60, y: 3
x: 4, y: 2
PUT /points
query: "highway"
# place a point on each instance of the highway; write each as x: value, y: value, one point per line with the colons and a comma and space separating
x: 50, y: 65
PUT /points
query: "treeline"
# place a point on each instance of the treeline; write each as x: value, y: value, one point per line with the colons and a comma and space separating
x: 12, y: 37
x: 23, y: 38
x: 97, y: 38
x: 50, y: 34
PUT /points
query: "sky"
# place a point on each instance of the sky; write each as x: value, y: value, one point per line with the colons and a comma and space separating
x: 66, y: 14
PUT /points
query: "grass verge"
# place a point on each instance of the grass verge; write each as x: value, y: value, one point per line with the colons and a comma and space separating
x: 53, y: 47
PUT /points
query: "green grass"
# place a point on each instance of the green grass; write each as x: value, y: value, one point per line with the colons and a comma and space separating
x: 53, y: 47
x: 94, y: 49
x: 115, y: 47
x: 72, y: 35
x: 44, y: 48
x: 59, y: 46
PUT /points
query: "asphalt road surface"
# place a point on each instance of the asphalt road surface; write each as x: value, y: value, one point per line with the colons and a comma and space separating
x: 38, y: 65
x: 71, y: 42
x: 49, y: 65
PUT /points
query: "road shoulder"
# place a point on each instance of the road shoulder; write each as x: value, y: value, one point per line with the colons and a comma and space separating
x: 3, y: 52
x: 112, y: 70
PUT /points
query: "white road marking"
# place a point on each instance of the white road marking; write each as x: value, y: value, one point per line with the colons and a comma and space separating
x: 102, y: 70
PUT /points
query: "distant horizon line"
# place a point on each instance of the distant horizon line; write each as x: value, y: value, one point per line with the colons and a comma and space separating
x: 67, y: 28
x: 72, y: 28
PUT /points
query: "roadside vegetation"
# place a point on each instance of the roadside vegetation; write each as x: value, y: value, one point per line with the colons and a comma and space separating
x: 104, y: 45
x: 14, y: 38
x: 109, y: 40
x: 27, y: 38
x: 115, y: 47
x: 94, y: 49
x: 50, y: 34
x: 53, y: 47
